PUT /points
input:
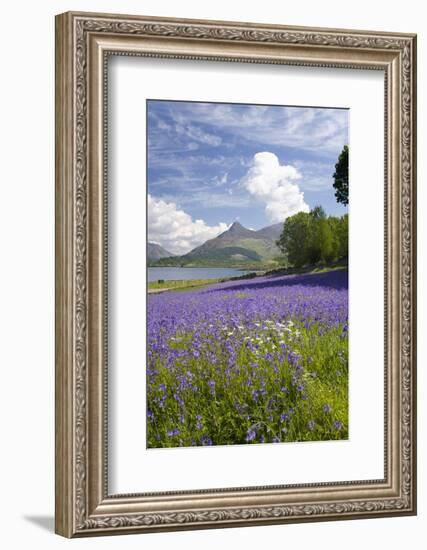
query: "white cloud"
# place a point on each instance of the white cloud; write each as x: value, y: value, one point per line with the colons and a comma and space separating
x: 223, y: 179
x: 273, y: 184
x: 197, y: 134
x: 175, y: 230
x: 162, y: 125
x: 219, y: 181
x: 318, y: 176
x: 318, y: 130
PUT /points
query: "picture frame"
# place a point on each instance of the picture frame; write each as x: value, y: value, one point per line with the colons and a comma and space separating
x: 84, y: 42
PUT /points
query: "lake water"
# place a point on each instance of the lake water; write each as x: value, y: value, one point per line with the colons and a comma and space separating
x: 191, y: 273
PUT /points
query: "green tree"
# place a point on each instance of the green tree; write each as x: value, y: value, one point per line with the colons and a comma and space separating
x: 309, y: 239
x: 294, y: 239
x: 335, y: 226
x: 342, y: 233
x: 341, y: 177
x: 317, y: 213
x: 317, y: 231
x: 326, y: 241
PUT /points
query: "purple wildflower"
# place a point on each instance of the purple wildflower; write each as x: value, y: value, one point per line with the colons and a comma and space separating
x: 251, y: 435
x: 211, y: 385
x: 199, y: 422
x: 190, y: 347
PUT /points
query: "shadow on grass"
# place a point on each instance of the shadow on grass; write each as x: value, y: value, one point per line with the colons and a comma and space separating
x: 337, y: 280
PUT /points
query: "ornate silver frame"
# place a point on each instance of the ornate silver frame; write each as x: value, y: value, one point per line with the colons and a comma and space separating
x: 83, y: 42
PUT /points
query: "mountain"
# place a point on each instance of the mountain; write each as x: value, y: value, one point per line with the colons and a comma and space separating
x: 272, y: 232
x: 232, y: 236
x: 156, y: 252
x: 235, y: 231
x: 238, y: 246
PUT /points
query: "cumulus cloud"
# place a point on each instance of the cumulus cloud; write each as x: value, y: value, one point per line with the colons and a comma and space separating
x: 273, y: 184
x: 175, y: 230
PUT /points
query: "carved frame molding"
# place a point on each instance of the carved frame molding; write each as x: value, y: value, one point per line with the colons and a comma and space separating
x: 83, y: 42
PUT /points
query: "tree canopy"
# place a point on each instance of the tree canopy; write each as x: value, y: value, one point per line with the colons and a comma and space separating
x: 341, y: 177
x: 312, y: 238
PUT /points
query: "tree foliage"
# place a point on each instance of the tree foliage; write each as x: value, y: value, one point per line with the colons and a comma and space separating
x: 313, y: 238
x: 341, y: 177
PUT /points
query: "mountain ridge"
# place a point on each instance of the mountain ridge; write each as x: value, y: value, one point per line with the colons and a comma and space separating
x: 237, y: 246
x: 157, y: 252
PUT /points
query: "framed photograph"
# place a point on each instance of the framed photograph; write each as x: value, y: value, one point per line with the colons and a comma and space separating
x: 235, y: 274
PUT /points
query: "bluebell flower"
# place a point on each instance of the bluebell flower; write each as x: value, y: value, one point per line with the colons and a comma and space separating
x: 206, y: 440
x: 251, y: 435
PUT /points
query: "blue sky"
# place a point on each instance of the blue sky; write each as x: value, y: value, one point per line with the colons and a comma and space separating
x: 210, y: 164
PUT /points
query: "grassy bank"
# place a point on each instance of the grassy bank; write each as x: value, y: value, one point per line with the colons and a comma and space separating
x: 180, y: 284
x: 161, y: 284
x: 317, y: 268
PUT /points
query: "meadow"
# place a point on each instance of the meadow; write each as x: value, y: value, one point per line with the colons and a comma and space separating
x: 263, y: 360
x: 180, y: 284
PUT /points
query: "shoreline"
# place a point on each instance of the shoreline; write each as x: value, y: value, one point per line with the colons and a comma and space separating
x: 181, y: 285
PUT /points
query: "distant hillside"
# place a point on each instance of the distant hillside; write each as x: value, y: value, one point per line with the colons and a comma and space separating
x: 272, y: 232
x: 156, y: 252
x: 229, y: 238
x: 238, y: 246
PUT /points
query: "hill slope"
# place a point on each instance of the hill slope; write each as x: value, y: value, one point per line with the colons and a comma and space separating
x: 156, y: 252
x: 238, y: 246
x: 272, y: 232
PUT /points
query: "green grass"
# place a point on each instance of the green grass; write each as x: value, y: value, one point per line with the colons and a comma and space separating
x: 259, y: 394
x: 264, y: 248
x: 280, y: 270
x: 180, y: 284
x: 325, y: 269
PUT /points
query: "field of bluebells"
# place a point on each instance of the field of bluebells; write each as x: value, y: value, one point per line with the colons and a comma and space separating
x: 249, y: 361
